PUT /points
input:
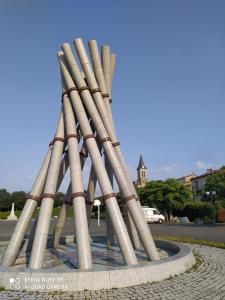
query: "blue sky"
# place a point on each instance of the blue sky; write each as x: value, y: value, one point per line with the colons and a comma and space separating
x: 168, y: 91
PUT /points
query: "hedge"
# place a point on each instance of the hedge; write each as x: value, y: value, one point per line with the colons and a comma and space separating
x: 197, y: 210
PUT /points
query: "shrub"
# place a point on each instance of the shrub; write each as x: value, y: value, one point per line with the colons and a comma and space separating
x: 197, y: 210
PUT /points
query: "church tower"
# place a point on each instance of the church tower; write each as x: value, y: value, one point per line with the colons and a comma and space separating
x: 142, y: 174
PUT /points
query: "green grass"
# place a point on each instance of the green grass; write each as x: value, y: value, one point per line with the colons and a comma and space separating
x: 192, y: 241
x: 5, y: 214
x: 55, y: 212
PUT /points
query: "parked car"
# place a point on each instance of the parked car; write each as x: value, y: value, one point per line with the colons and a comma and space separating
x: 152, y: 215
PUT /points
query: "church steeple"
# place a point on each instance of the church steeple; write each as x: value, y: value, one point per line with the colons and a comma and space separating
x: 141, y: 164
x: 142, y: 175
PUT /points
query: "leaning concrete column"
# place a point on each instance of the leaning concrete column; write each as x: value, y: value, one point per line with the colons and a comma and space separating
x: 105, y: 115
x: 104, y: 77
x: 61, y: 219
x: 22, y: 224
x: 60, y: 222
x: 109, y: 228
x: 78, y: 195
x: 41, y: 235
x: 103, y: 74
x: 122, y: 179
x: 91, y: 193
x: 108, y: 195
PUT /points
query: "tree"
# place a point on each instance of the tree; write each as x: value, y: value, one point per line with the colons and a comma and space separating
x: 5, y: 200
x: 165, y: 195
x: 59, y: 199
x: 19, y: 199
x: 216, y: 182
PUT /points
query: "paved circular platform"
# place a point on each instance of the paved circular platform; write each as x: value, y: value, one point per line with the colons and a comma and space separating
x: 206, y: 281
x: 61, y: 274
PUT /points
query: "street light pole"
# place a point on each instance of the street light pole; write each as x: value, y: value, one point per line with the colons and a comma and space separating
x: 211, y: 195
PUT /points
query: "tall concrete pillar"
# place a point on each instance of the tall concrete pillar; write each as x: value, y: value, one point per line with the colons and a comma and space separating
x: 42, y: 230
x: 106, y: 188
x: 78, y: 195
x: 99, y: 115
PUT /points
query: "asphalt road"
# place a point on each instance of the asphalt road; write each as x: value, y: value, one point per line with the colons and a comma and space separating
x: 204, y: 232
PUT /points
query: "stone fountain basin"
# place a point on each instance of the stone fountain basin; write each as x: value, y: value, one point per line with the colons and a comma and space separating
x: 61, y: 273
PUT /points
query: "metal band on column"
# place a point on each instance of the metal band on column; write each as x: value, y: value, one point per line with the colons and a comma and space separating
x: 101, y: 141
x: 52, y: 196
x: 72, y: 136
x: 107, y: 196
x: 83, y: 88
x: 131, y: 197
x: 105, y: 95
x: 116, y: 144
x: 93, y: 91
x: 88, y: 136
x: 29, y: 196
x: 58, y: 139
x: 78, y: 194
x: 68, y: 91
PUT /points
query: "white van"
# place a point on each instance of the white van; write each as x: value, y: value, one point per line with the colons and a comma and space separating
x: 152, y: 215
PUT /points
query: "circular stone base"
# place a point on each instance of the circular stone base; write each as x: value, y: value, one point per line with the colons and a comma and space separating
x: 60, y: 271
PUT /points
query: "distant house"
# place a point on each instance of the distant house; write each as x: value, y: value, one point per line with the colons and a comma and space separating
x: 187, y: 180
x: 197, y: 182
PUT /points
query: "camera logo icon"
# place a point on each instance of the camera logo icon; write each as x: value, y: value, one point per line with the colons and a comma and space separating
x: 14, y: 283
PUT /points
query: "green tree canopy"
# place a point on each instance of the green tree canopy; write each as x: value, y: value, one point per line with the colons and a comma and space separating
x: 216, y: 182
x: 165, y: 195
x: 19, y: 198
x: 5, y: 200
x: 59, y: 199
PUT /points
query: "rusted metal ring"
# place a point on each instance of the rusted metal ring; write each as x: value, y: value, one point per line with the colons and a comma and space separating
x: 88, y: 136
x: 128, y: 198
x: 36, y: 198
x: 52, y: 196
x: 68, y: 91
x: 105, y: 95
x: 58, y: 139
x: 104, y: 140
x: 95, y: 91
x: 72, y: 136
x: 107, y: 196
x: 116, y: 144
x: 51, y: 144
x: 83, y: 88
x: 78, y: 194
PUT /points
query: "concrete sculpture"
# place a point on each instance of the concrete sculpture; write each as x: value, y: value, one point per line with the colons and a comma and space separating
x: 86, y: 116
